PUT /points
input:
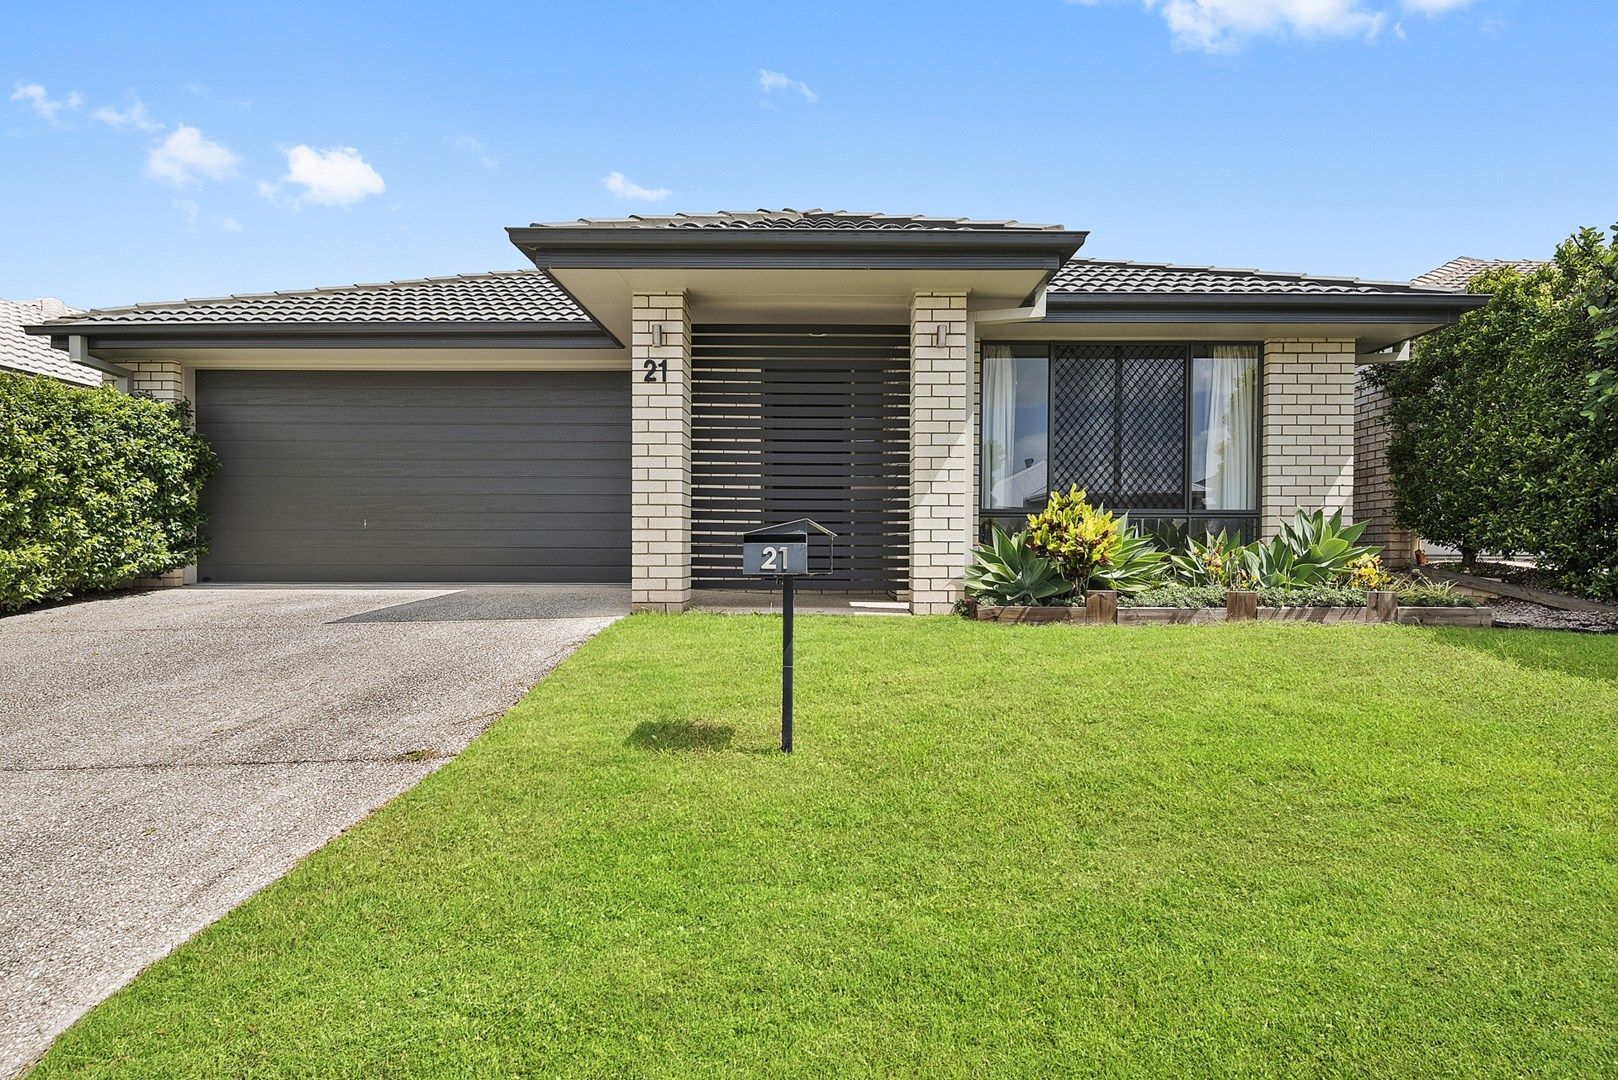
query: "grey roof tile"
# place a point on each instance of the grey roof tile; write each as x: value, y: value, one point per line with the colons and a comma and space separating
x: 1457, y: 274
x: 837, y: 220
x: 503, y: 296
x: 23, y: 352
x: 1097, y: 276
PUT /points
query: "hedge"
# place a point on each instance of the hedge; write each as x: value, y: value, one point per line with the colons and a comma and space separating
x: 1495, y: 447
x: 97, y: 488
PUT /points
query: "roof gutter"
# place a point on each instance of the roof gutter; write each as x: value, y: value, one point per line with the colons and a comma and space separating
x: 314, y: 335
x: 1227, y: 307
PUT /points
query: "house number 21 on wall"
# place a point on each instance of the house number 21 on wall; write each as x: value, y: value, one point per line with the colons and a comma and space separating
x: 656, y: 370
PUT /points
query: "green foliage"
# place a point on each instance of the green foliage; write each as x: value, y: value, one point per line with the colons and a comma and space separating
x: 1496, y: 445
x: 1177, y: 595
x: 1316, y: 595
x: 1413, y: 592
x: 1076, y: 536
x: 1312, y: 549
x: 1214, y: 560
x: 96, y: 488
x: 1136, y: 564
x: 1006, y: 571
x: 1601, y: 305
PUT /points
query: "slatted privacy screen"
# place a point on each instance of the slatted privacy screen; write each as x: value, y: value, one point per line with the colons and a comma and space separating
x: 1118, y: 423
x: 798, y: 421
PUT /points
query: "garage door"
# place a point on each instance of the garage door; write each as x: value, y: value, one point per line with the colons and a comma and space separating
x: 417, y: 476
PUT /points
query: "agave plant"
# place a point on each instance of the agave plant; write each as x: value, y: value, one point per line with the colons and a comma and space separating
x: 1006, y: 571
x: 1214, y: 560
x: 1135, y: 562
x: 1312, y: 549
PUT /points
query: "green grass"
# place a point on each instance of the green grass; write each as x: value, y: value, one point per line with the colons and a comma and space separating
x: 1240, y: 850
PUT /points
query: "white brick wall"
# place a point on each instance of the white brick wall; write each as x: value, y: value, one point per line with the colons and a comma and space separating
x: 941, y: 451
x: 161, y: 380
x: 660, y: 419
x: 1308, y: 428
x: 1373, y: 486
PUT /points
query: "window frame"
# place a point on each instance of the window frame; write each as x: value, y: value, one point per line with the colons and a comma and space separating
x: 1185, y: 512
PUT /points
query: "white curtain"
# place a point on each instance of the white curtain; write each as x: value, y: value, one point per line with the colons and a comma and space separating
x: 1228, y: 456
x: 999, y: 422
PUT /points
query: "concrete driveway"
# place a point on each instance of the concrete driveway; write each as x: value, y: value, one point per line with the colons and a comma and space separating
x: 165, y: 755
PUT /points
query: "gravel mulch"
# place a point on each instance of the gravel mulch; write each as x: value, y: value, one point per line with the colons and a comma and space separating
x: 1521, y: 615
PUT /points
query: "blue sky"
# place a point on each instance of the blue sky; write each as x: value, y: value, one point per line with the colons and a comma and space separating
x: 162, y: 150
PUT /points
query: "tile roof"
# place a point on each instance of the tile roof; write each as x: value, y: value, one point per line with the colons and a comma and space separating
x: 502, y: 296
x: 22, y: 352
x: 1095, y: 276
x: 1457, y: 274
x: 835, y: 220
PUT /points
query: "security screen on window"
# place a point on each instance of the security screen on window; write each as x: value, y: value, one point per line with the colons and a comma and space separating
x: 1016, y: 424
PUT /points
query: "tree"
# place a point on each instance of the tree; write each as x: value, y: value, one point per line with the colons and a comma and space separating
x: 1495, y: 443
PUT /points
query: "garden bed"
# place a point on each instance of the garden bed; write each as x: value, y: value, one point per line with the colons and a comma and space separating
x: 1103, y: 609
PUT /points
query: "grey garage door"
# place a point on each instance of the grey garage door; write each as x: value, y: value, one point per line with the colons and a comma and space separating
x: 417, y: 476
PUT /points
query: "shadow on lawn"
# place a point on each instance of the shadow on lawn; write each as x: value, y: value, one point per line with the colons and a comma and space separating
x: 1584, y: 656
x: 680, y: 735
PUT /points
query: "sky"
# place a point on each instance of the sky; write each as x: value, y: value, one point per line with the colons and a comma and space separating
x: 165, y: 150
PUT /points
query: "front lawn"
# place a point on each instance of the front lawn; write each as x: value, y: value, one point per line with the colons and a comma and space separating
x: 1244, y: 849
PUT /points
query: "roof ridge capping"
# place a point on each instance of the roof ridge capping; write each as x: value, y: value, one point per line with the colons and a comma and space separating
x: 788, y: 218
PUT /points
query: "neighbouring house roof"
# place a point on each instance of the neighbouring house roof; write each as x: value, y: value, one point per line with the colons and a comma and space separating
x: 20, y: 352
x: 1457, y: 274
x: 1097, y: 290
x: 834, y: 220
x: 520, y: 303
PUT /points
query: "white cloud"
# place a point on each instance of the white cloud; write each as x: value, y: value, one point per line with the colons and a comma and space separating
x: 473, y: 146
x: 45, y: 107
x: 186, y: 155
x: 772, y: 81
x: 135, y: 116
x: 1225, y: 25
x: 335, y: 177
x: 625, y: 188
x: 192, y: 213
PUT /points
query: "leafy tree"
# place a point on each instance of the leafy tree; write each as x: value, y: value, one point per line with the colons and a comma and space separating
x: 1494, y: 445
x: 1603, y: 311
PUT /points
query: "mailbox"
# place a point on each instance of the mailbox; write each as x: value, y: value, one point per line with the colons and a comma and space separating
x: 785, y: 550
x: 782, y: 551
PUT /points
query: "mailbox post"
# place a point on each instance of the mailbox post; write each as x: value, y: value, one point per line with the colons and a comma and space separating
x: 782, y: 551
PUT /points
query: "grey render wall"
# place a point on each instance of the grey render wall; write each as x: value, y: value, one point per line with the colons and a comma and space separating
x: 417, y: 476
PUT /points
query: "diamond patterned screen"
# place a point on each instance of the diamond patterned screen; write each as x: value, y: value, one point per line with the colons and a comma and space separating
x: 1118, y: 423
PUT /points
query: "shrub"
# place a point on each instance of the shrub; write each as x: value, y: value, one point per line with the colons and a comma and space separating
x: 1006, y: 571
x: 1497, y: 442
x: 1333, y: 595
x: 1414, y: 593
x: 1137, y: 563
x: 1367, y: 572
x: 1214, y: 560
x: 1176, y: 595
x: 96, y: 488
x: 1074, y: 535
x: 1312, y: 549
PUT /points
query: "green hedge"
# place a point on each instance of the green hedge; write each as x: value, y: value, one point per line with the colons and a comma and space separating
x: 1494, y: 445
x: 96, y: 488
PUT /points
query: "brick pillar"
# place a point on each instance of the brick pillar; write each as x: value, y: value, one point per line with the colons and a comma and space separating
x: 1373, y: 486
x: 661, y: 436
x: 160, y: 380
x: 1308, y: 428
x: 940, y: 450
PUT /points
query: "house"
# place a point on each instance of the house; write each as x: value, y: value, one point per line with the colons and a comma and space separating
x: 655, y: 386
x: 33, y: 355
x: 1373, y: 485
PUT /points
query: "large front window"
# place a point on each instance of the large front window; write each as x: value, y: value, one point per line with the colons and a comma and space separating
x: 1168, y: 432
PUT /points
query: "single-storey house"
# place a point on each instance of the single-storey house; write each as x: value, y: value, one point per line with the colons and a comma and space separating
x: 655, y: 386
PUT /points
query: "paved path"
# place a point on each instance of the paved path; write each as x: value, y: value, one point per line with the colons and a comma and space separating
x: 165, y: 755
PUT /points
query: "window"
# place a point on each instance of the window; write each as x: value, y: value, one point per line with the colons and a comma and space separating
x: 1016, y: 426
x: 1166, y: 431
